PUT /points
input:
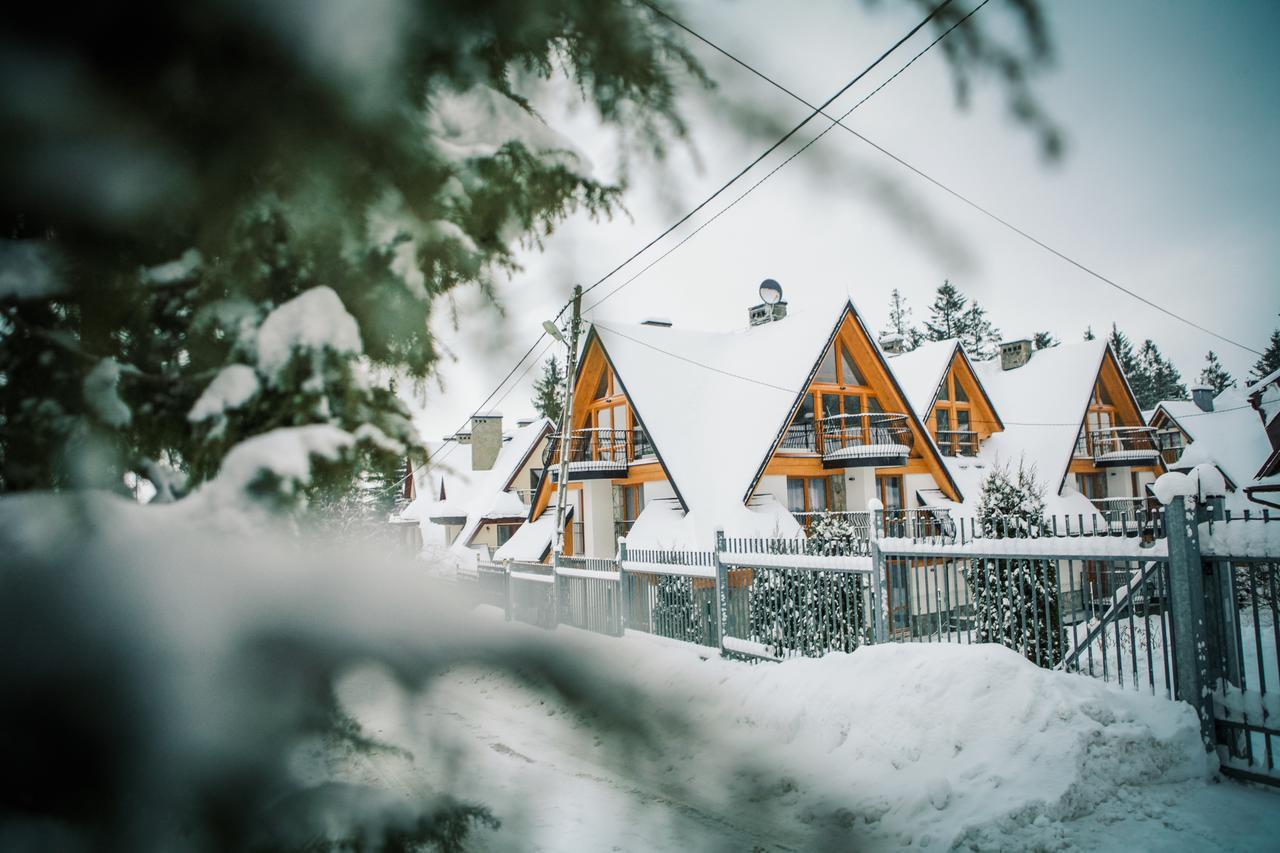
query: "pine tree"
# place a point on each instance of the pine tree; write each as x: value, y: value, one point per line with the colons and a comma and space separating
x: 1215, y: 375
x: 1157, y: 378
x: 1015, y: 602
x: 1130, y: 366
x: 812, y: 613
x: 1088, y: 333
x: 978, y: 335
x: 548, y: 391
x: 1269, y: 361
x: 946, y: 314
x: 900, y: 321
x: 1045, y: 340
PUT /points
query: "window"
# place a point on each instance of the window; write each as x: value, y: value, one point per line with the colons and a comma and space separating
x: 952, y: 418
x: 610, y: 418
x: 505, y: 532
x: 890, y: 488
x: 1092, y: 486
x: 807, y: 495
x: 628, y: 501
x: 1098, y: 422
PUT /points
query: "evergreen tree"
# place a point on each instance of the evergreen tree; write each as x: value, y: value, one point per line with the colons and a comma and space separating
x: 1045, y: 340
x: 978, y: 335
x: 900, y: 321
x: 812, y: 613
x: 946, y: 314
x: 548, y: 391
x: 1215, y: 375
x: 1157, y: 378
x: 1269, y: 361
x: 1088, y: 333
x: 1015, y: 602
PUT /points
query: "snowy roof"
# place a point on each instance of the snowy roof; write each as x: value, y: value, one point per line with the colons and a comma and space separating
x: 1042, y: 404
x: 739, y: 385
x: 532, y: 541
x: 920, y: 372
x: 478, y: 496
x: 1233, y: 439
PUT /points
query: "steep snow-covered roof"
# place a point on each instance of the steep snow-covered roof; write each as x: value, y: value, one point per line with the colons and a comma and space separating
x: 1042, y: 404
x: 1233, y: 439
x: 1176, y: 409
x: 737, y: 387
x: 532, y: 540
x: 477, y: 495
x: 920, y: 372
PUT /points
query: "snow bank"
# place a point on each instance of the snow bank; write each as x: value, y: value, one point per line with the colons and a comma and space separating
x: 891, y: 747
x: 314, y: 320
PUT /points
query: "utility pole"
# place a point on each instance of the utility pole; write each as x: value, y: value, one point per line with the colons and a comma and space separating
x: 566, y: 423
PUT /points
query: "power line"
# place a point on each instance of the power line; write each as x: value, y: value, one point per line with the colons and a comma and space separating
x: 954, y: 193
x: 795, y: 153
x: 815, y: 111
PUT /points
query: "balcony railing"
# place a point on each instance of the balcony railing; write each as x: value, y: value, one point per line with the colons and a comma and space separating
x: 871, y: 438
x: 596, y: 453
x: 1119, y: 446
x: 957, y: 442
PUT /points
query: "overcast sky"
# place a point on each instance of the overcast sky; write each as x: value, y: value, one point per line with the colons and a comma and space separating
x: 1169, y: 186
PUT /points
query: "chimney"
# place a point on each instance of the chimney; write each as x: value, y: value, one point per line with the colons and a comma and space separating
x: 486, y: 440
x: 660, y: 322
x: 1203, y: 397
x: 892, y: 343
x: 1014, y: 354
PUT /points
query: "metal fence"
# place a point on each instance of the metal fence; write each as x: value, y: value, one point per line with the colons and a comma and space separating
x: 1186, y: 610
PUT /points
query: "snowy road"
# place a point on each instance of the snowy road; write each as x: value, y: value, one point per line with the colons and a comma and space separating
x: 894, y: 747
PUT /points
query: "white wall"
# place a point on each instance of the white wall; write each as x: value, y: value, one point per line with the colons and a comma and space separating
x: 598, y: 518
x: 859, y: 488
x: 912, y: 483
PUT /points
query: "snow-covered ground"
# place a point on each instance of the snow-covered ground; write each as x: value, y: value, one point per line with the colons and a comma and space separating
x: 897, y: 746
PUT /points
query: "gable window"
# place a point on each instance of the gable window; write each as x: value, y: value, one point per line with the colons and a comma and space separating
x: 609, y: 419
x: 1172, y: 441
x: 1098, y: 421
x: 952, y: 418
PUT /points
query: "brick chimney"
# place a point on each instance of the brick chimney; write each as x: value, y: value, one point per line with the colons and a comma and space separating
x: 486, y: 440
x: 1014, y: 354
x: 1203, y: 397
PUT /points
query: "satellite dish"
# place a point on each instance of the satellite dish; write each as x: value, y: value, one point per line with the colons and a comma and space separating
x: 770, y: 292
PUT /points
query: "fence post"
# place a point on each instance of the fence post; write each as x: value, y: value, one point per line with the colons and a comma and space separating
x: 555, y: 591
x: 624, y: 588
x: 510, y: 608
x: 721, y: 584
x: 880, y: 578
x: 1187, y: 612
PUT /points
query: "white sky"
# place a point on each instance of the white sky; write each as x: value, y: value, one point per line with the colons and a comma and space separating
x: 1169, y: 186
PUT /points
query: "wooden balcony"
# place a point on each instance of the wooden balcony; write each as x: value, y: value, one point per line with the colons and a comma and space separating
x: 854, y: 441
x: 596, y: 454
x: 1120, y: 447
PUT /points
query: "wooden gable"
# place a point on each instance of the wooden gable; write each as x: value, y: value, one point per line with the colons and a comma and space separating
x: 876, y: 377
x: 983, y: 417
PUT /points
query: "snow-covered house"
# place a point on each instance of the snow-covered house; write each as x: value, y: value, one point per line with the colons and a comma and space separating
x: 473, y: 491
x: 1069, y: 411
x: 1236, y: 431
x: 677, y: 433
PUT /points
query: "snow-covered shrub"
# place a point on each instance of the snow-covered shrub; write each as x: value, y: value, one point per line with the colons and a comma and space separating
x: 812, y: 612
x: 680, y: 612
x: 1015, y: 602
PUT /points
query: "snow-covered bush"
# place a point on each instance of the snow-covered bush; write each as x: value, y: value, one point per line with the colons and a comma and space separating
x: 811, y: 613
x: 1015, y: 602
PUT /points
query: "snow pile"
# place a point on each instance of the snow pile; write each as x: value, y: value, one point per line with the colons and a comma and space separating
x: 235, y: 385
x: 1240, y: 538
x: 312, y: 322
x: 101, y: 389
x: 891, y: 747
